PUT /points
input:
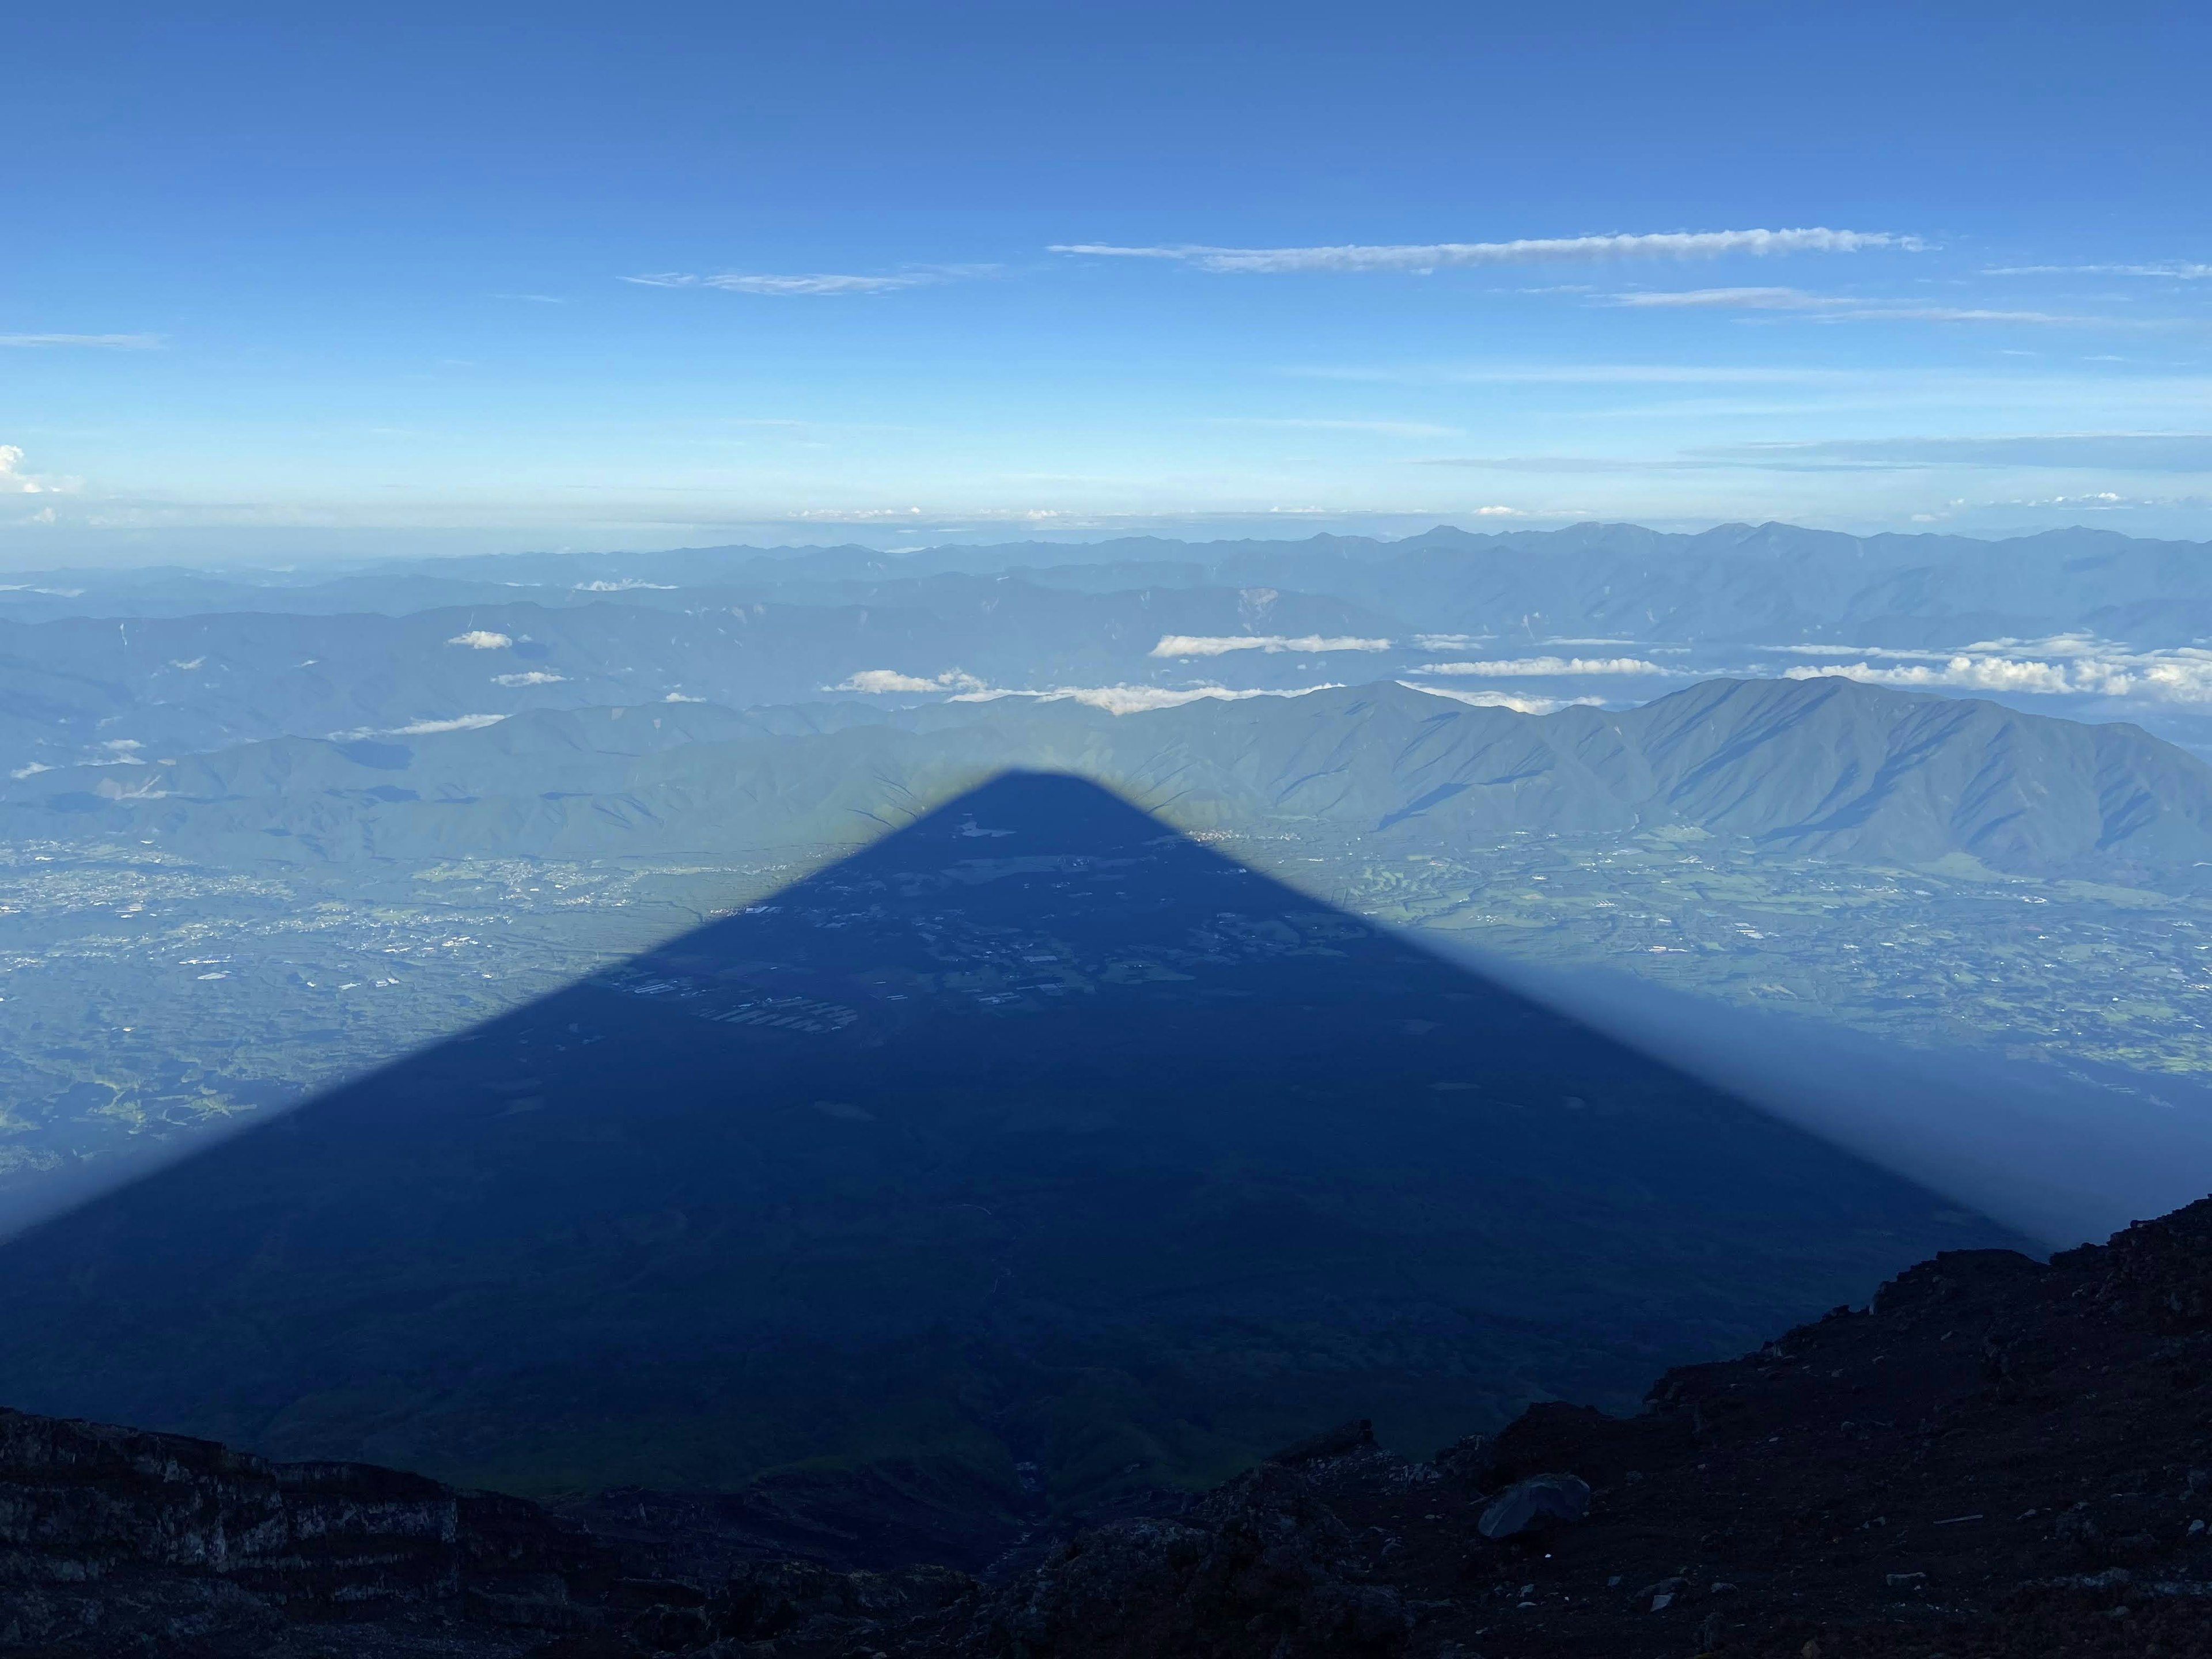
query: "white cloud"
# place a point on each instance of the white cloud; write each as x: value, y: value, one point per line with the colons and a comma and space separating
x: 623, y: 587
x: 881, y: 681
x: 97, y: 341
x: 1114, y: 699
x: 535, y: 676
x: 1536, y: 667
x: 1449, y: 642
x: 1137, y: 699
x: 1220, y: 645
x: 677, y: 697
x: 1969, y: 673
x: 1435, y: 256
x: 2069, y: 665
x: 13, y: 481
x: 419, y: 728
x: 482, y: 639
x: 735, y: 282
x: 1504, y: 699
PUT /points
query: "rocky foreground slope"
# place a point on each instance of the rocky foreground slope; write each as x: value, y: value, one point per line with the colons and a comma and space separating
x: 1999, y: 1458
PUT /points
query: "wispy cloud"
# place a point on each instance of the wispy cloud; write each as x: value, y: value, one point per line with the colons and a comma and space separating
x: 1739, y: 299
x: 419, y: 728
x: 2126, y: 452
x: 1842, y: 308
x: 1569, y: 463
x: 2132, y: 452
x: 1597, y: 374
x: 482, y: 639
x: 812, y: 282
x: 98, y: 341
x: 1422, y: 256
x: 1387, y: 428
x: 2184, y: 271
x: 1220, y: 645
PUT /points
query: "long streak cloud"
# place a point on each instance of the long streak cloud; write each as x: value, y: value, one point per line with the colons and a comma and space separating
x: 1436, y: 256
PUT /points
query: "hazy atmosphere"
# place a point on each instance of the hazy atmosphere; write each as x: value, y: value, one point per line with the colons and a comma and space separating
x: 986, y: 831
x: 292, y: 285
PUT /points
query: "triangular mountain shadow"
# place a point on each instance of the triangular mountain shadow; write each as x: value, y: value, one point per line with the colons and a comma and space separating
x: 1034, y: 1134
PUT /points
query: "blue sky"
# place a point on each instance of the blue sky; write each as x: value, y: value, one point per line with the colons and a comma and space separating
x: 281, y: 283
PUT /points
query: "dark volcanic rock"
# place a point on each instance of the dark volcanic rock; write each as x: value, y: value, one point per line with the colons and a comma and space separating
x: 121, y: 1540
x: 1998, y: 1460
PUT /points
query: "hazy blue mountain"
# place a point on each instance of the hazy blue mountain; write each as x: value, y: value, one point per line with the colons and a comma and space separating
x: 1034, y: 1133
x: 174, y: 685
x: 1827, y: 767
x: 1768, y: 583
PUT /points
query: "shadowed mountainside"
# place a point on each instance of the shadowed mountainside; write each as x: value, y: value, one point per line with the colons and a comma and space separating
x: 1034, y: 1134
x: 1996, y: 1459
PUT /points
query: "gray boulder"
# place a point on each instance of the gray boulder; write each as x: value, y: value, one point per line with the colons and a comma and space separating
x: 1540, y: 1498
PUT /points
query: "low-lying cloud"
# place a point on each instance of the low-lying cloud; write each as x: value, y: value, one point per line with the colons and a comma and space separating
x: 1140, y: 699
x: 1506, y: 700
x: 1419, y: 258
x: 419, y: 728
x: 959, y: 687
x: 482, y: 639
x: 2069, y: 666
x: 1220, y: 645
x: 1543, y: 667
x: 877, y: 682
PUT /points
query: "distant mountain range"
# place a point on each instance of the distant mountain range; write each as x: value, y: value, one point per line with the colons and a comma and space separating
x: 167, y: 662
x: 1828, y: 767
x: 1739, y: 582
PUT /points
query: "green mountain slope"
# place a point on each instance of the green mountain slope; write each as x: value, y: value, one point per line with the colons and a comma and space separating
x: 1828, y: 767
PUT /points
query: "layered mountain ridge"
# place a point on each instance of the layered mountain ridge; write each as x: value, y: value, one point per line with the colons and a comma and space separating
x: 1736, y: 581
x: 1826, y: 768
